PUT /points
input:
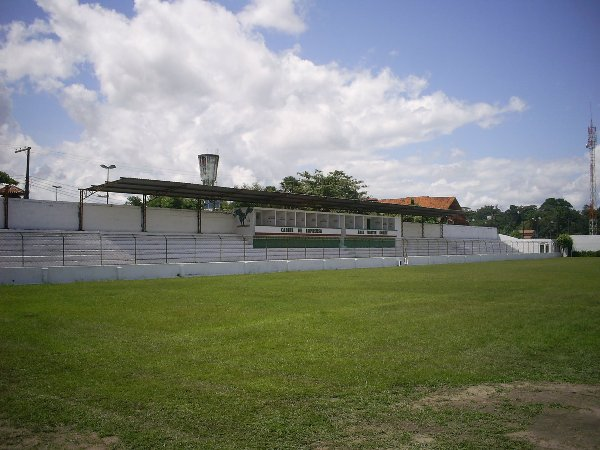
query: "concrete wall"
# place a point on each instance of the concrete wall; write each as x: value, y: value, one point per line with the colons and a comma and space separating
x: 41, y: 215
x: 49, y: 215
x: 69, y: 274
x: 586, y: 243
x: 457, y: 259
x: 529, y: 245
x: 468, y: 232
x: 163, y: 220
x: 219, y: 223
x: 433, y: 230
x: 98, y: 217
x: 411, y: 229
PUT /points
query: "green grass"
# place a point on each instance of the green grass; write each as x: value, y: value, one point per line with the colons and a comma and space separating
x: 295, y: 360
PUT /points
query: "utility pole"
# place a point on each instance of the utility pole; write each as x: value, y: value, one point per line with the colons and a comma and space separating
x: 28, y: 150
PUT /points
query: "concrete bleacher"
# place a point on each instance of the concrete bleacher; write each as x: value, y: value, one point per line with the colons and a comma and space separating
x: 43, y: 249
x: 442, y: 246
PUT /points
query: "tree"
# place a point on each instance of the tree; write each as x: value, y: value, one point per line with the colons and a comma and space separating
x: 156, y: 201
x: 7, y: 179
x: 333, y: 184
x: 134, y: 200
x: 565, y: 243
x: 556, y: 216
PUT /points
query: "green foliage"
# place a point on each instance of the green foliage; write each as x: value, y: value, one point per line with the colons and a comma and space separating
x: 553, y: 217
x: 565, y: 242
x: 333, y: 184
x: 134, y: 200
x: 586, y: 253
x: 163, y: 202
x: 295, y: 360
x: 7, y: 179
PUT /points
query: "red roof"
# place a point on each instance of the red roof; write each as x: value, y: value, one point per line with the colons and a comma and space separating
x: 432, y: 202
x: 11, y: 190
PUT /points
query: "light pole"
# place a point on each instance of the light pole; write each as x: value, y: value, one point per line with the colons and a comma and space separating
x: 56, y: 188
x: 107, y: 167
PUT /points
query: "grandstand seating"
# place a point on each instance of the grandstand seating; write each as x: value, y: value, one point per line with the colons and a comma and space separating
x: 42, y: 249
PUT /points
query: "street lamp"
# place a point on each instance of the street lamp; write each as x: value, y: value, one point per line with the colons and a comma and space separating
x: 107, y: 167
x: 56, y: 188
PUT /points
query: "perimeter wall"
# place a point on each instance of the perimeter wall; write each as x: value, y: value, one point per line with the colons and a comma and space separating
x: 64, y: 216
x: 586, y: 243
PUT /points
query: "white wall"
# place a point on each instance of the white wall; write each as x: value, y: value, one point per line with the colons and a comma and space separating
x: 49, y: 215
x: 586, y: 243
x: 529, y: 245
x: 469, y: 232
x: 432, y: 230
x: 219, y: 223
x: 163, y: 220
x: 411, y: 229
x: 41, y: 215
x: 98, y: 217
x: 69, y: 274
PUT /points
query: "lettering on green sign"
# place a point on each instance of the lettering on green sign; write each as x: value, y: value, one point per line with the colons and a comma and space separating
x: 314, y: 230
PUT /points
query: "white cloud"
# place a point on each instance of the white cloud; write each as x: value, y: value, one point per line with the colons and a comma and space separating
x: 476, y: 182
x: 185, y: 77
x: 280, y: 15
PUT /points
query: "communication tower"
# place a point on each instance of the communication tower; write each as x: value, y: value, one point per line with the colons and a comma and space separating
x: 591, y: 145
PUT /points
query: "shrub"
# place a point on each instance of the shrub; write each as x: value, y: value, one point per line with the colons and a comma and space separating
x: 585, y: 253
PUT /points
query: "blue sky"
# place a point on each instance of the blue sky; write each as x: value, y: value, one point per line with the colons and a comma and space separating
x: 486, y: 101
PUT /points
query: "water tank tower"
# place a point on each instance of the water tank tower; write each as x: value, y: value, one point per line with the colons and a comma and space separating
x: 209, y: 163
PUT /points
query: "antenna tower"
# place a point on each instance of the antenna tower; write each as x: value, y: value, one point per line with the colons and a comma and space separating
x: 591, y: 145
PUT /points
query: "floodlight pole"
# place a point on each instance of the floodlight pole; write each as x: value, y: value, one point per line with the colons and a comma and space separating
x: 56, y: 188
x: 107, y: 167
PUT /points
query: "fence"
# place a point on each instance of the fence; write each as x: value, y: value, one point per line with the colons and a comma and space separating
x: 34, y: 249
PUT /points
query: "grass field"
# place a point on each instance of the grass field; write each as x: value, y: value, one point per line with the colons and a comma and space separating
x: 334, y: 359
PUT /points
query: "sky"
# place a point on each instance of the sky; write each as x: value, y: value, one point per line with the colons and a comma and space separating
x: 487, y: 101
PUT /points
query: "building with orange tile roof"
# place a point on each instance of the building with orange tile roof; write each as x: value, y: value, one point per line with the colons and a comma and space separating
x: 433, y: 202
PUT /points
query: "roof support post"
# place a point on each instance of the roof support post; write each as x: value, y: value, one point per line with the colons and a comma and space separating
x: 422, y: 226
x: 6, y: 212
x: 199, y: 215
x: 401, y: 226
x: 441, y: 227
x: 80, y: 212
x: 144, y: 213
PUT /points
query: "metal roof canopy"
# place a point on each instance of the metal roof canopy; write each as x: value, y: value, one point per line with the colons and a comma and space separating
x: 263, y: 198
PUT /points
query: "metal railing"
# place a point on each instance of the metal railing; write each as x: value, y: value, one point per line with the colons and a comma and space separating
x: 39, y: 249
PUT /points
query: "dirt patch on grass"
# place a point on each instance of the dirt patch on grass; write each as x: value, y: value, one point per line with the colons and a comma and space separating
x: 561, y: 416
x: 63, y: 438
